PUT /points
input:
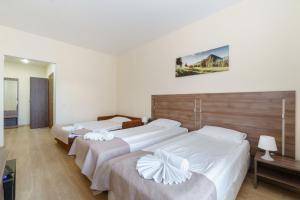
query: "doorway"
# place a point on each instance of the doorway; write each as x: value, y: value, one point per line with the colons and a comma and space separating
x: 34, y: 99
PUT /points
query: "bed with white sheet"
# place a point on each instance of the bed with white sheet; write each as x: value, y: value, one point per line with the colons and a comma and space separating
x: 218, y: 160
x: 65, y: 132
x: 91, y: 155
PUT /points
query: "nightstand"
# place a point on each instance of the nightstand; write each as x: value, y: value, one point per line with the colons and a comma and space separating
x: 282, y: 171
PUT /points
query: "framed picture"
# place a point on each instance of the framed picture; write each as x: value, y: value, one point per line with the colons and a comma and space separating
x: 214, y: 60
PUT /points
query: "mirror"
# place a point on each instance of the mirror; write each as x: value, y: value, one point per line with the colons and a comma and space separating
x: 11, y: 94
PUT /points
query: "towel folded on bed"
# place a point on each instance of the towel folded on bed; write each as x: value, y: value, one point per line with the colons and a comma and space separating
x: 164, y: 167
x: 99, y: 136
x: 72, y: 128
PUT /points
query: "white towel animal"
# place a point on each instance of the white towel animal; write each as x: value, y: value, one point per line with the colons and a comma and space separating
x: 93, y: 136
x: 176, y: 161
x: 99, y: 136
x: 164, y: 167
x: 72, y: 128
x: 108, y: 136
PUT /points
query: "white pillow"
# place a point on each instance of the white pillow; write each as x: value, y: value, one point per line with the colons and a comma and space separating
x: 120, y: 119
x: 168, y: 123
x: 223, y: 134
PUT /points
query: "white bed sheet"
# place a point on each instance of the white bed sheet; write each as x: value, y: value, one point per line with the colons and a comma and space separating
x: 107, y: 125
x: 220, y: 161
x: 145, y: 140
x: 137, y: 138
x: 64, y: 136
x: 137, y: 132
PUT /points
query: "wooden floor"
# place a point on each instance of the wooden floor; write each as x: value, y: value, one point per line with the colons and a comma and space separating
x: 44, y: 171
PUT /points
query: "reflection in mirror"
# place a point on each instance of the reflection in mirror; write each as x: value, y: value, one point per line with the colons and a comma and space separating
x: 10, y: 94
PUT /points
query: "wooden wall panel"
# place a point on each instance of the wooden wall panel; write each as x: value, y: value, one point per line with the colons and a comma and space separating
x: 177, y: 107
x: 255, y: 113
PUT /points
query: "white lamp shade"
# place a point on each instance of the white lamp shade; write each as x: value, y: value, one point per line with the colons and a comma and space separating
x: 144, y: 119
x: 267, y: 143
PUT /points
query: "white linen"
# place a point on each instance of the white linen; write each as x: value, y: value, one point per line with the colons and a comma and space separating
x: 164, y: 167
x: 120, y: 119
x: 225, y: 134
x: 176, y: 161
x: 63, y: 134
x: 219, y: 161
x: 99, y: 136
x: 100, y: 125
x: 136, y: 132
x: 141, y: 141
x: 137, y: 138
x: 167, y: 123
x: 71, y: 128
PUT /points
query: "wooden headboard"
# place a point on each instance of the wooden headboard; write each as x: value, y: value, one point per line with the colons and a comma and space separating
x: 254, y: 113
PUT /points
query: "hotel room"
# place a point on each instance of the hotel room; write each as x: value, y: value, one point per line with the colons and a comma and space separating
x: 137, y: 99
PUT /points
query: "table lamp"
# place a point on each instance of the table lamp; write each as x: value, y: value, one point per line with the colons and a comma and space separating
x: 268, y: 144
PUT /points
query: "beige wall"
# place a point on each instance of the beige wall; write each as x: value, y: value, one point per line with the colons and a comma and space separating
x: 23, y: 72
x: 264, y: 47
x: 85, y: 79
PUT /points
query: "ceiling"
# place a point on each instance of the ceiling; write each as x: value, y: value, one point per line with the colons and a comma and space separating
x: 14, y: 59
x: 110, y: 26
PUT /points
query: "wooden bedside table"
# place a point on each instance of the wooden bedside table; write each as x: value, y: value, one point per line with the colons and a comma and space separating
x: 282, y: 171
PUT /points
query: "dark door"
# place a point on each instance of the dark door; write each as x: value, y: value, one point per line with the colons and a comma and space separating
x: 38, y: 102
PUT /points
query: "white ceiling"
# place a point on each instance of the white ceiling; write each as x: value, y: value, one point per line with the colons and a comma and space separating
x: 14, y: 59
x: 111, y: 26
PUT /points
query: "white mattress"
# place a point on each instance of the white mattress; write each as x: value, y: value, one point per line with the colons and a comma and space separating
x: 222, y: 162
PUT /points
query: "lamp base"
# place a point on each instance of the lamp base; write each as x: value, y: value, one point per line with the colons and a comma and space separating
x: 267, y: 156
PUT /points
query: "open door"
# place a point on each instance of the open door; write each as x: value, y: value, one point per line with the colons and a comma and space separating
x: 39, y: 102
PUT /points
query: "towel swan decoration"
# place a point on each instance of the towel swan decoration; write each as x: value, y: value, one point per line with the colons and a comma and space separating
x: 99, y: 136
x: 164, y: 167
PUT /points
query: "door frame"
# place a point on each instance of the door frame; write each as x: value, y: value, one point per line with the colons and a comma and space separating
x: 51, y: 103
x: 2, y: 56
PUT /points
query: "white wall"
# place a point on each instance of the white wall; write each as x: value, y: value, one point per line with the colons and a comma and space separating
x: 23, y: 72
x: 264, y: 47
x: 85, y: 79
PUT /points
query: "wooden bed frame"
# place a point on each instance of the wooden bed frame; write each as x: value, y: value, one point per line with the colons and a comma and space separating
x: 254, y: 113
x: 135, y: 121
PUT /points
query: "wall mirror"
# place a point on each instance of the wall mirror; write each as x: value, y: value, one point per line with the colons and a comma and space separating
x: 11, y: 97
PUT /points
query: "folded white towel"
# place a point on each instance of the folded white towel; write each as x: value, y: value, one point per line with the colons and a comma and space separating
x: 176, y: 161
x: 93, y: 136
x: 96, y: 136
x: 72, y: 128
x: 78, y: 126
x: 108, y: 136
x: 68, y: 128
x: 164, y: 167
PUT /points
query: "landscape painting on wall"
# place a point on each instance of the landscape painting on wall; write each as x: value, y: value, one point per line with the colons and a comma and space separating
x: 214, y: 60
